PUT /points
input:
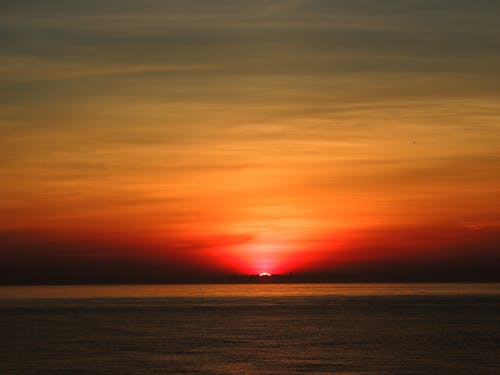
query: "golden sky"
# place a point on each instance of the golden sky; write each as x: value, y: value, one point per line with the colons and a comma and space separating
x: 248, y: 136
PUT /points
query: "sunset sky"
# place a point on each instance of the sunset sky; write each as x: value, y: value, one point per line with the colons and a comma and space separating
x: 173, y: 140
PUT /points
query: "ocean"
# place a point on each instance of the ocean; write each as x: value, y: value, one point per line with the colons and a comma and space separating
x: 251, y: 329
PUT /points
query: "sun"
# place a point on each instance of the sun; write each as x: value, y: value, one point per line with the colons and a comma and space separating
x: 264, y: 274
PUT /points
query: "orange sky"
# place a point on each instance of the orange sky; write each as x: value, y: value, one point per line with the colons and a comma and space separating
x: 246, y: 137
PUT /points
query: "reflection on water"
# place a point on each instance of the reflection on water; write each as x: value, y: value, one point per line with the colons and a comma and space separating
x: 246, y: 290
x: 355, y: 329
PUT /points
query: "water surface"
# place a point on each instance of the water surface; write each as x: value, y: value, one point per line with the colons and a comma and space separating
x: 251, y: 329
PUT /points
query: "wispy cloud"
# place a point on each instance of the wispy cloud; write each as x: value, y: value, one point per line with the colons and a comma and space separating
x: 292, y: 119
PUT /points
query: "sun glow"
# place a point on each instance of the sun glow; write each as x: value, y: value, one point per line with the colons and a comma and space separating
x: 264, y: 274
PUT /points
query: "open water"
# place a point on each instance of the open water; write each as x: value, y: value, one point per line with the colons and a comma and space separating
x: 251, y: 329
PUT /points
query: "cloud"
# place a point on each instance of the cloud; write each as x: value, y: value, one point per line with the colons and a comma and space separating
x: 198, y: 118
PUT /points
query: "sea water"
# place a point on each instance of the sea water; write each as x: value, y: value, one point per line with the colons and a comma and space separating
x: 251, y: 329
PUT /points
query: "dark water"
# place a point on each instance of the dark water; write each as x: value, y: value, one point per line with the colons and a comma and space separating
x: 251, y: 329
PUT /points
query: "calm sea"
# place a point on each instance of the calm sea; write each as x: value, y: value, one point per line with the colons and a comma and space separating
x: 251, y: 329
